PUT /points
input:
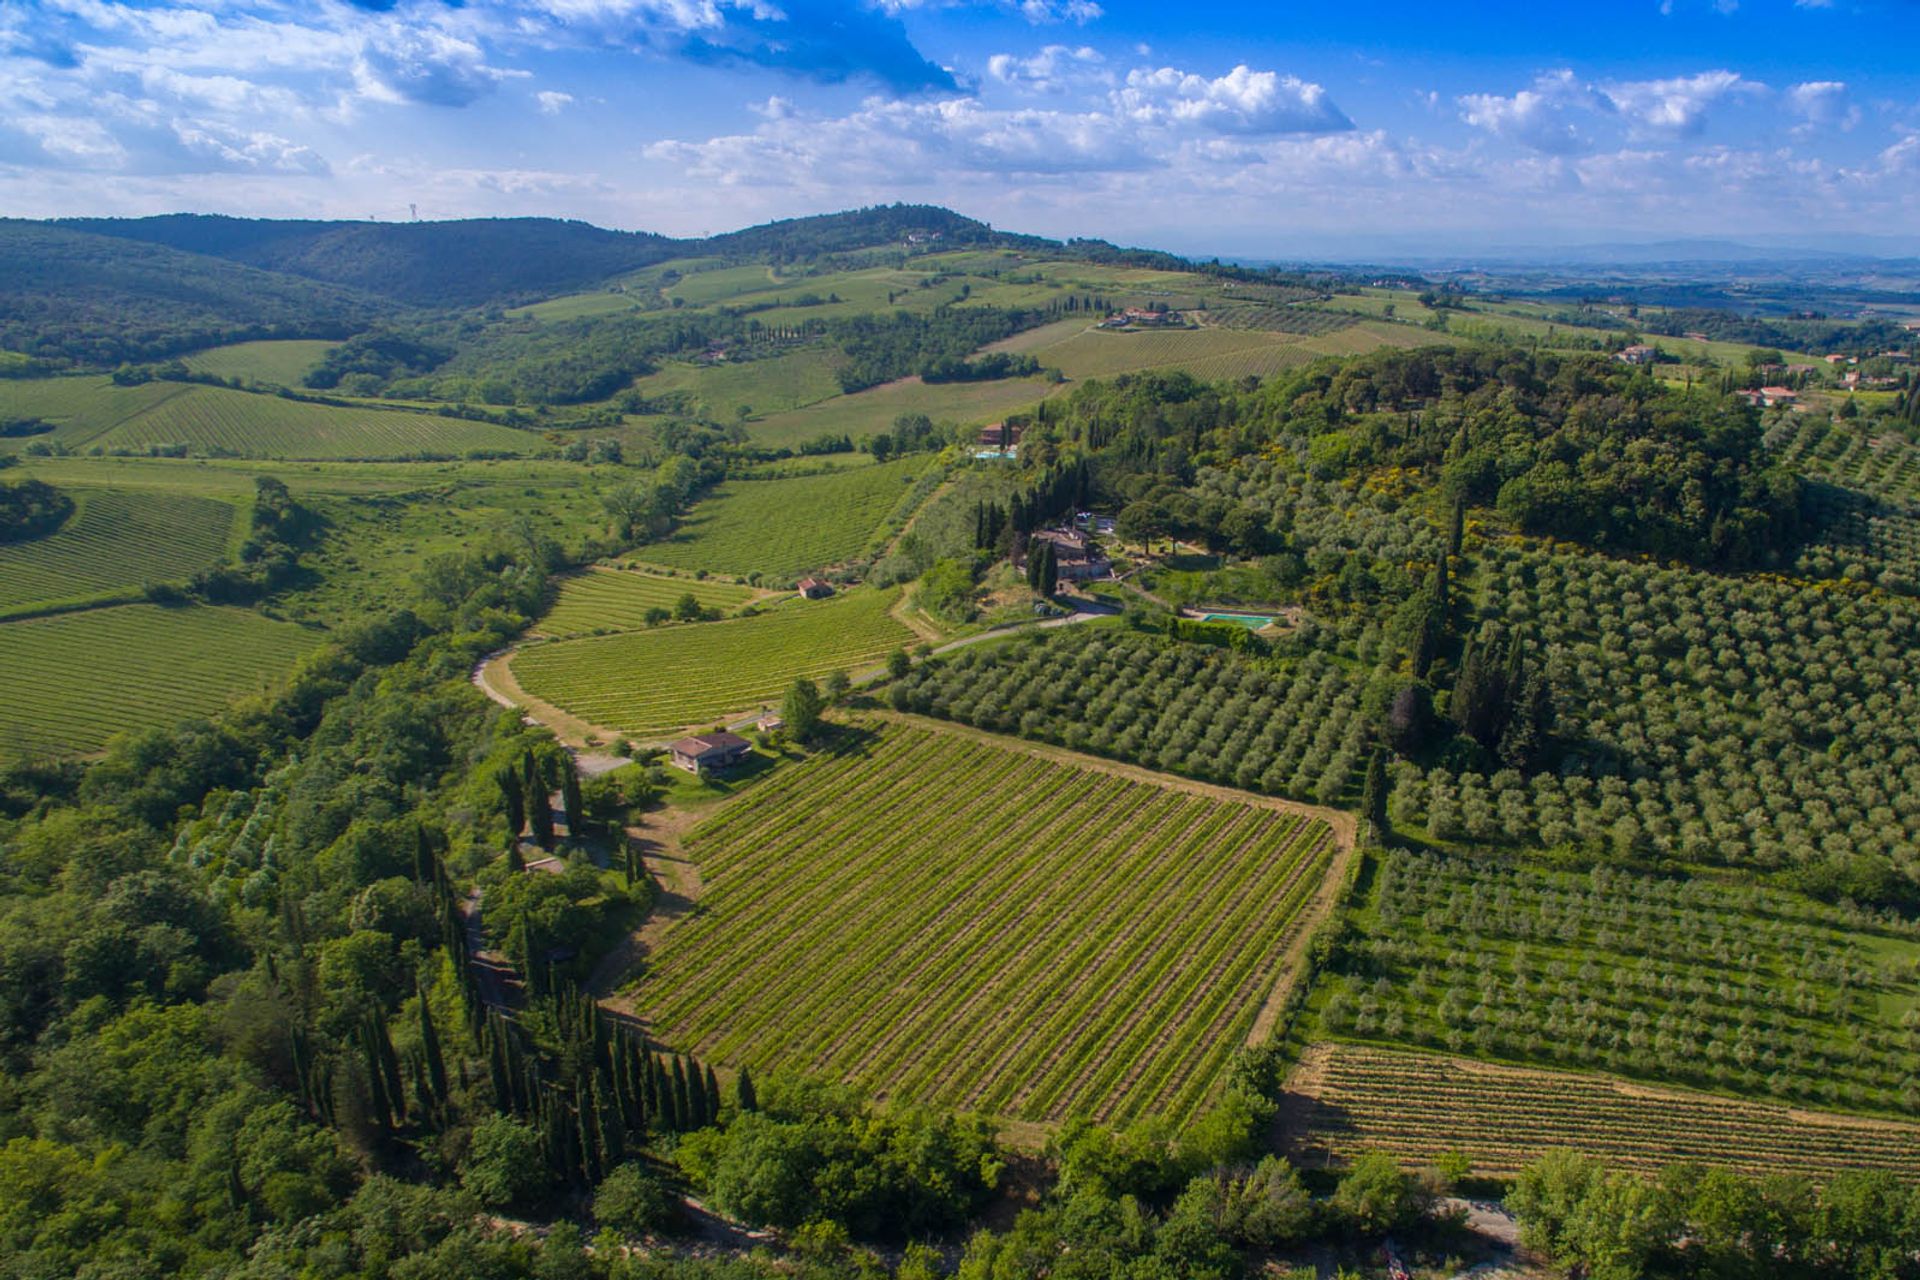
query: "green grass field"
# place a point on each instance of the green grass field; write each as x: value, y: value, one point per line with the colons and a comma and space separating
x: 936, y: 917
x: 647, y: 683
x: 873, y: 410
x: 93, y: 413
x: 76, y: 679
x: 115, y: 542
x: 784, y: 528
x: 718, y: 392
x: 604, y: 600
x: 281, y: 364
x: 1419, y: 1106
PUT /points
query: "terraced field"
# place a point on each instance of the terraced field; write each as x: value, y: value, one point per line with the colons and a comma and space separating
x: 76, y: 679
x: 93, y: 413
x: 942, y: 917
x: 1418, y: 1105
x: 784, y: 528
x: 115, y: 542
x: 606, y: 600
x: 282, y: 363
x: 648, y: 683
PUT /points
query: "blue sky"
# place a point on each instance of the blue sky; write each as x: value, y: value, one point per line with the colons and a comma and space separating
x: 1271, y: 130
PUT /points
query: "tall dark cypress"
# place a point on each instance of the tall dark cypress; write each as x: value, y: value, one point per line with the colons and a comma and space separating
x: 431, y: 1059
x: 1373, y: 801
x: 515, y: 796
x: 682, y: 1113
x: 576, y: 807
x: 743, y: 1090
x: 696, y: 1097
x: 713, y: 1096
x: 539, y: 804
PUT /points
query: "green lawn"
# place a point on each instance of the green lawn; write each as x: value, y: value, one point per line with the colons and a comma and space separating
x: 281, y: 363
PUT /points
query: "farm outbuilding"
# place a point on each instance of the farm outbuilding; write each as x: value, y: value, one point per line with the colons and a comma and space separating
x: 708, y: 752
x: 814, y: 589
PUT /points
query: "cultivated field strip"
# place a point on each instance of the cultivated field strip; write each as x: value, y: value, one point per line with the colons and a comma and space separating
x: 605, y: 600
x: 1418, y: 1105
x: 114, y: 542
x: 648, y: 682
x: 943, y: 919
x: 74, y: 680
x: 789, y: 526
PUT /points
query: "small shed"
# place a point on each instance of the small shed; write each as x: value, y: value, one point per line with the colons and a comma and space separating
x: 770, y: 723
x: 709, y: 752
x: 814, y: 589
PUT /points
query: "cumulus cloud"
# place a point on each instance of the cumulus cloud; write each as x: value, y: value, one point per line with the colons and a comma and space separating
x: 1038, y: 12
x: 1561, y: 114
x: 1678, y: 105
x: 1052, y: 70
x: 1823, y: 104
x: 1543, y: 117
x: 1242, y: 101
x: 552, y: 101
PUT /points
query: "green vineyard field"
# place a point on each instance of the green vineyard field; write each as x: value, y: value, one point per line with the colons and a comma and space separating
x: 74, y: 680
x: 943, y: 918
x: 115, y: 542
x: 784, y: 528
x: 618, y: 600
x: 90, y: 413
x: 281, y: 363
x: 1417, y: 1106
x: 649, y: 682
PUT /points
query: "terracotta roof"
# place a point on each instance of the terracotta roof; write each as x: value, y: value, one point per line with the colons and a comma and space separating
x: 701, y: 744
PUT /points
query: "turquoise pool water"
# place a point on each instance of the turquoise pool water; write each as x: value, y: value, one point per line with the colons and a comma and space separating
x: 1251, y: 621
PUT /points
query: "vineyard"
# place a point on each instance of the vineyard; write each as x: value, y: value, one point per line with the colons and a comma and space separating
x: 115, y: 541
x: 873, y: 410
x: 1417, y: 1106
x: 649, y: 682
x: 90, y: 413
x: 1744, y: 989
x: 281, y: 363
x: 607, y: 600
x: 1276, y: 319
x: 935, y: 917
x: 1203, y: 712
x: 784, y: 528
x: 1097, y: 353
x: 76, y: 679
x: 1873, y: 458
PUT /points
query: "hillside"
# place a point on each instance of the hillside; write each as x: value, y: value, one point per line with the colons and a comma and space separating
x: 65, y: 295
x: 429, y: 264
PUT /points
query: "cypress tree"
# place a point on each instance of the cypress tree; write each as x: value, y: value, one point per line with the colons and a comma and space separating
x: 696, y: 1097
x: 516, y: 800
x: 1049, y: 570
x: 713, y: 1096
x: 570, y: 793
x: 681, y: 1111
x: 379, y: 1105
x: 748, y: 1099
x: 435, y: 1064
x: 539, y: 804
x: 1373, y: 796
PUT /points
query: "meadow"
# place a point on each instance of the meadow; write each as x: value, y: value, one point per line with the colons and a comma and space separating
x: 1417, y: 1106
x: 604, y: 600
x: 718, y: 392
x: 932, y: 916
x: 647, y: 683
x: 871, y: 411
x: 76, y: 679
x: 92, y: 413
x: 280, y: 363
x: 115, y: 542
x: 787, y: 527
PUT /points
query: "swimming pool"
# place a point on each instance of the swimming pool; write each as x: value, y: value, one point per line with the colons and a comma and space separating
x: 1251, y: 621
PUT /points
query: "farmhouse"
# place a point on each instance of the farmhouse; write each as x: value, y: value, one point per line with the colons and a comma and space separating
x: 1001, y: 435
x: 1073, y: 555
x: 1638, y: 353
x: 814, y: 589
x: 707, y: 752
x: 1139, y: 316
x: 1768, y: 397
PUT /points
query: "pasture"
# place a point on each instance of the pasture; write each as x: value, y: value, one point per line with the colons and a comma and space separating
x: 93, y: 414
x: 937, y: 917
x: 784, y: 528
x: 115, y: 542
x: 605, y: 600
x: 649, y: 683
x: 76, y: 679
x: 279, y: 363
x: 719, y: 392
x: 1344, y: 1099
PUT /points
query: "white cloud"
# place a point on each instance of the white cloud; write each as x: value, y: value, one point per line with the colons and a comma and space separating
x: 1242, y: 101
x: 1543, y: 117
x: 1823, y: 104
x: 1678, y: 105
x: 1038, y: 12
x: 1052, y: 70
x: 552, y: 101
